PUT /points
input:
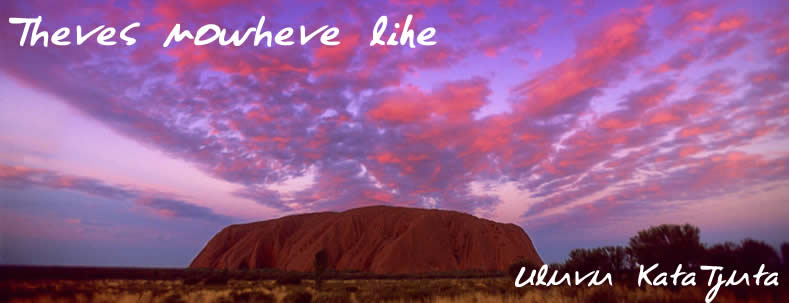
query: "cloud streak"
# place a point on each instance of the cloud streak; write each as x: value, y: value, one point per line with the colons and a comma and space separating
x: 162, y: 204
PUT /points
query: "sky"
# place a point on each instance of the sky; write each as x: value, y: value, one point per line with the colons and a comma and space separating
x: 580, y: 121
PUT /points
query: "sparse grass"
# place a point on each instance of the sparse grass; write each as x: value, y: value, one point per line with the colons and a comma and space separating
x: 358, y: 291
x: 333, y: 297
x: 248, y: 297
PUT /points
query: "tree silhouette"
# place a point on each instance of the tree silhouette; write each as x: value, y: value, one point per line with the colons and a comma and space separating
x: 722, y: 254
x: 609, y: 259
x: 668, y: 245
x: 785, y: 256
x: 754, y: 253
x: 320, y: 264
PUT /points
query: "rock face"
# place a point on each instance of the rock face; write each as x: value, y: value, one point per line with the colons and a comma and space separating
x: 377, y: 239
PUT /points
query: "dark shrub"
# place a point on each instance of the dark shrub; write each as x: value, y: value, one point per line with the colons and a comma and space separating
x: 288, y: 279
x: 252, y: 297
x: 785, y: 256
x: 193, y: 279
x: 722, y: 254
x: 217, y: 278
x: 514, y: 269
x: 609, y: 259
x: 619, y: 258
x: 668, y: 245
x: 755, y: 253
x: 748, y: 256
x: 320, y: 264
x: 298, y: 296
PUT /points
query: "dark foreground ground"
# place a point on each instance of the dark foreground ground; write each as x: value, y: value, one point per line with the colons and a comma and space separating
x: 83, y: 284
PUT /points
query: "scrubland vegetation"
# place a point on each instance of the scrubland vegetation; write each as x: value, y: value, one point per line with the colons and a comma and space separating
x: 338, y: 291
x: 666, y: 244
